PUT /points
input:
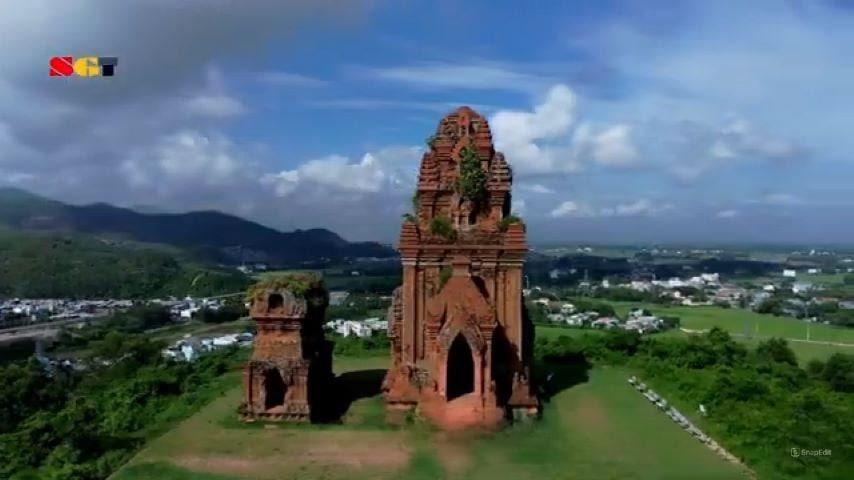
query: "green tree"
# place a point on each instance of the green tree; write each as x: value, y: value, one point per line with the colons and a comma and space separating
x: 777, y: 350
x: 839, y: 372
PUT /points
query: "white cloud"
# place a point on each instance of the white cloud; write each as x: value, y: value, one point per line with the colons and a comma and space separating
x: 613, y: 147
x: 642, y: 207
x: 519, y: 207
x: 782, y: 199
x: 185, y: 160
x: 290, y: 79
x: 391, y: 168
x: 535, y: 188
x: 216, y: 106
x: 692, y: 149
x: 570, y: 209
x: 337, y: 172
x: 283, y: 183
x: 546, y: 139
x: 727, y: 214
x: 478, y: 76
x: 387, y: 104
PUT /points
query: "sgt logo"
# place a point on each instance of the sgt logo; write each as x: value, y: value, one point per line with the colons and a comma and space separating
x: 83, y: 66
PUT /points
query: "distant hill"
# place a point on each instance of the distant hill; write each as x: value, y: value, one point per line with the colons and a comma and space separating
x: 63, y: 265
x: 211, y: 235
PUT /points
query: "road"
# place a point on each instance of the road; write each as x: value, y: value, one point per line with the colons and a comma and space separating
x: 41, y: 330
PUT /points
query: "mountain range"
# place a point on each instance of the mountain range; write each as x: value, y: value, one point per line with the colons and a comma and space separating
x: 211, y: 235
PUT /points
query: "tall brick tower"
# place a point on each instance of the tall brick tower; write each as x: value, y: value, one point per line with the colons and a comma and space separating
x: 461, y: 342
x: 290, y: 371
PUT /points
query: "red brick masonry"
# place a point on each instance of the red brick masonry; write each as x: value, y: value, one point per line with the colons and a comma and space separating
x: 461, y: 342
x: 291, y: 366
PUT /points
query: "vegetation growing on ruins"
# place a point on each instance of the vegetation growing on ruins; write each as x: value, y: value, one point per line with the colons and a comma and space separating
x: 300, y: 284
x: 510, y: 220
x: 471, y: 184
x: 443, y: 227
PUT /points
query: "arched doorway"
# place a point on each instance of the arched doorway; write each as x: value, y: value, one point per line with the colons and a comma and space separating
x: 275, y: 302
x: 274, y: 389
x: 502, y: 366
x: 460, y: 369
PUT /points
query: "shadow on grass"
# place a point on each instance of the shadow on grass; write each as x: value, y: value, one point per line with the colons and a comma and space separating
x: 556, y: 374
x: 332, y: 405
x: 346, y: 389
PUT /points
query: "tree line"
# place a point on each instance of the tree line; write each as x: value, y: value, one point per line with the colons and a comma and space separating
x: 760, y: 403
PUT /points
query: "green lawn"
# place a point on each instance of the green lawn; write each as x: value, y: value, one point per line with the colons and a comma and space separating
x: 598, y: 429
x: 804, y: 351
x: 740, y: 321
x: 746, y: 322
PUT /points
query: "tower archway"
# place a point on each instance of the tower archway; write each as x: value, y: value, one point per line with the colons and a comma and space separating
x: 502, y: 372
x: 460, y: 369
x: 274, y: 389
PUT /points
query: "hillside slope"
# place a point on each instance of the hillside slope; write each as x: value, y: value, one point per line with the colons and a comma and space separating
x: 213, y: 235
x: 54, y: 265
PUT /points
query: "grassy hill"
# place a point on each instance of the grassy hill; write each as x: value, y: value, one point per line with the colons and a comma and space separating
x: 37, y: 264
x: 599, y: 429
x: 212, y: 235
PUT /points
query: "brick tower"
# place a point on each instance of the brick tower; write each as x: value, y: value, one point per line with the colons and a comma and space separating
x: 461, y: 341
x: 290, y: 370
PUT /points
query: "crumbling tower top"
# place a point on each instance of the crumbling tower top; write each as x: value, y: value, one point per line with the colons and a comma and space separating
x: 463, y: 191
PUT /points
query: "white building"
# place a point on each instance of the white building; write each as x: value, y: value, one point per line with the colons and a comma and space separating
x: 605, y: 322
x: 790, y: 273
x: 337, y: 297
x: 710, y: 277
x: 542, y: 301
x: 352, y: 327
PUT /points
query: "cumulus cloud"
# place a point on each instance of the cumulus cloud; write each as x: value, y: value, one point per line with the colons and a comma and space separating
x: 613, y: 147
x: 641, y: 207
x: 535, y: 188
x: 570, y: 209
x: 388, y: 169
x: 692, y: 149
x: 547, y: 139
x: 156, y: 133
x: 189, y: 157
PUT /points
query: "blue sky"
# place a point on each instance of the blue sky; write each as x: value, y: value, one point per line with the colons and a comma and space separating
x: 629, y: 121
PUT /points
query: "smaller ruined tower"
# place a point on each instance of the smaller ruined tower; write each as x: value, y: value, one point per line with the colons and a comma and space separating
x: 290, y: 371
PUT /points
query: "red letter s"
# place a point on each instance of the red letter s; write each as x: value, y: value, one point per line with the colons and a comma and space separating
x: 61, y: 66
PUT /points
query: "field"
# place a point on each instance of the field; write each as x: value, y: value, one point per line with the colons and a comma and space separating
x: 748, y: 327
x: 598, y: 428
